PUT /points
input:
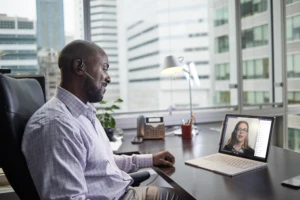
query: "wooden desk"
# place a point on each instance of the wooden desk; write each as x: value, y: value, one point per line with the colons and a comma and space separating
x: 202, y: 184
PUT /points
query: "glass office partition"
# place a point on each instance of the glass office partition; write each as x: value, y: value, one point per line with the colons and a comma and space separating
x: 223, y: 54
x: 256, y: 56
x: 293, y: 72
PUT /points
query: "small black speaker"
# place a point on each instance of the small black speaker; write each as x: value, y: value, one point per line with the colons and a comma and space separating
x: 139, y: 130
x: 140, y: 126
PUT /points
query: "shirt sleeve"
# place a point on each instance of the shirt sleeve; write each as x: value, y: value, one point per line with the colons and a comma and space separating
x: 134, y: 162
x: 55, y: 156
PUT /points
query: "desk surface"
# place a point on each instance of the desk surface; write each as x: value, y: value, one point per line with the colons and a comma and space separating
x: 196, y: 183
x: 202, y: 184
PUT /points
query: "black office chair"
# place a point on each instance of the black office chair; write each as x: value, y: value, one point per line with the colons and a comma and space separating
x: 19, y: 99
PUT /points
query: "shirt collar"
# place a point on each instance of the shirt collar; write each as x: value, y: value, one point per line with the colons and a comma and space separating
x: 75, y: 105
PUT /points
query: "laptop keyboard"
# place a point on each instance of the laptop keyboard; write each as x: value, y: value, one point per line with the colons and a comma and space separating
x: 231, y: 161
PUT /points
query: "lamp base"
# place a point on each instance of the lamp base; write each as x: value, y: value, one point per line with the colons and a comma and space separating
x: 137, y: 140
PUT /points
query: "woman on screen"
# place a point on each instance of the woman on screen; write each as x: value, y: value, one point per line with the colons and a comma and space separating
x: 238, y: 143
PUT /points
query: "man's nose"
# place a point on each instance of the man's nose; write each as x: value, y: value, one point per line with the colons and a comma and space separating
x: 107, y: 79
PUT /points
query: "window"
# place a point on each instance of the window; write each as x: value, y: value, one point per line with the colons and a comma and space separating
x: 296, y: 27
x: 254, y: 37
x: 251, y: 7
x: 221, y: 16
x: 223, y: 98
x: 291, y: 1
x: 256, y: 69
x: 222, y: 44
x: 289, y: 32
x: 250, y: 69
x: 293, y: 65
x: 294, y: 97
x: 25, y: 25
x: 293, y: 28
x: 138, y: 36
x: 222, y: 71
x: 7, y: 24
x: 294, y: 139
x: 256, y: 97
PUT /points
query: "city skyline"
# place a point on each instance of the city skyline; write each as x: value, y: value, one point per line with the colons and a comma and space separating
x: 50, y: 24
x: 9, y: 8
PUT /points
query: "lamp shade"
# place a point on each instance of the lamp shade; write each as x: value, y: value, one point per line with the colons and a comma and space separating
x: 171, y: 65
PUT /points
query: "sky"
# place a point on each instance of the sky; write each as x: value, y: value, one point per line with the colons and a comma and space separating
x: 27, y: 9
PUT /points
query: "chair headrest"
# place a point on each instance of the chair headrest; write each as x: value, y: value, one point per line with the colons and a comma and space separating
x: 22, y: 96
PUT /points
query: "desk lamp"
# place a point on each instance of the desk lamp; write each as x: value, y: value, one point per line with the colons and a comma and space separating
x: 171, y: 66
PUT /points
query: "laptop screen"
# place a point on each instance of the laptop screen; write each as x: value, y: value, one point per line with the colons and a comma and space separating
x: 247, y: 136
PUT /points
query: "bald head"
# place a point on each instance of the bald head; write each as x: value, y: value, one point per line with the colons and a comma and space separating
x: 78, y: 49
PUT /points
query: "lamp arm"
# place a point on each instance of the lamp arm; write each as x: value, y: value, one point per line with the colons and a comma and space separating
x: 190, y: 93
x: 187, y: 72
x: 190, y: 90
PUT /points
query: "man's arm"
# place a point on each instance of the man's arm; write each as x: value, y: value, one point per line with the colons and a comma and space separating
x: 135, y: 162
x: 55, y: 157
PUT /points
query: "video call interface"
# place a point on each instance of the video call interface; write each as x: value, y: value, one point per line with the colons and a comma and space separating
x: 246, y: 136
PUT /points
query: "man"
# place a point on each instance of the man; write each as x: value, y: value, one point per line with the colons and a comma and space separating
x: 66, y: 149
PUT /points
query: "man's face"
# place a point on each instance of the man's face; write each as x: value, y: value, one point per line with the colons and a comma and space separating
x: 95, y: 89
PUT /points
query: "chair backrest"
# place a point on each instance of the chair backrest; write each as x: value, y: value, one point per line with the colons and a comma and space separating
x: 19, y: 99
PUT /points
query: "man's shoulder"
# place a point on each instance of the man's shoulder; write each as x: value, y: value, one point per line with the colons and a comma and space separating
x: 53, y: 111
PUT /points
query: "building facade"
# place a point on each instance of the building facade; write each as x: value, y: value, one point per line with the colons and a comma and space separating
x: 293, y: 69
x: 48, y: 62
x: 18, y: 45
x: 104, y: 32
x: 50, y: 24
x: 79, y: 19
x: 153, y: 30
x: 255, y: 42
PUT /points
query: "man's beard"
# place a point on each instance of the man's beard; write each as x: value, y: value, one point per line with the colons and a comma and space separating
x: 94, y: 94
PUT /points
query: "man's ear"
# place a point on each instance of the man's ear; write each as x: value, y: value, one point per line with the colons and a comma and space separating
x: 77, y: 66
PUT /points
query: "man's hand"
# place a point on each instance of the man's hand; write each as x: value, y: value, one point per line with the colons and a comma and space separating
x: 163, y: 158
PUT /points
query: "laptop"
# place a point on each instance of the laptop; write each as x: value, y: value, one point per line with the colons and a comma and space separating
x: 244, y: 145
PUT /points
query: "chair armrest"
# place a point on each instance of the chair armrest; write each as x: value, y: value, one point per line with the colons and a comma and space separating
x: 128, y: 153
x: 139, y: 177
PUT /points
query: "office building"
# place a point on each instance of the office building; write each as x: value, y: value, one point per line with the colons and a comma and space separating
x: 255, y: 44
x: 18, y: 45
x: 104, y: 32
x: 47, y: 59
x: 79, y: 21
x: 179, y: 28
x: 50, y: 40
x: 50, y: 24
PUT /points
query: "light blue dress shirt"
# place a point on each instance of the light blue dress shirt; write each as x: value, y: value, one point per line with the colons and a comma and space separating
x: 69, y: 156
